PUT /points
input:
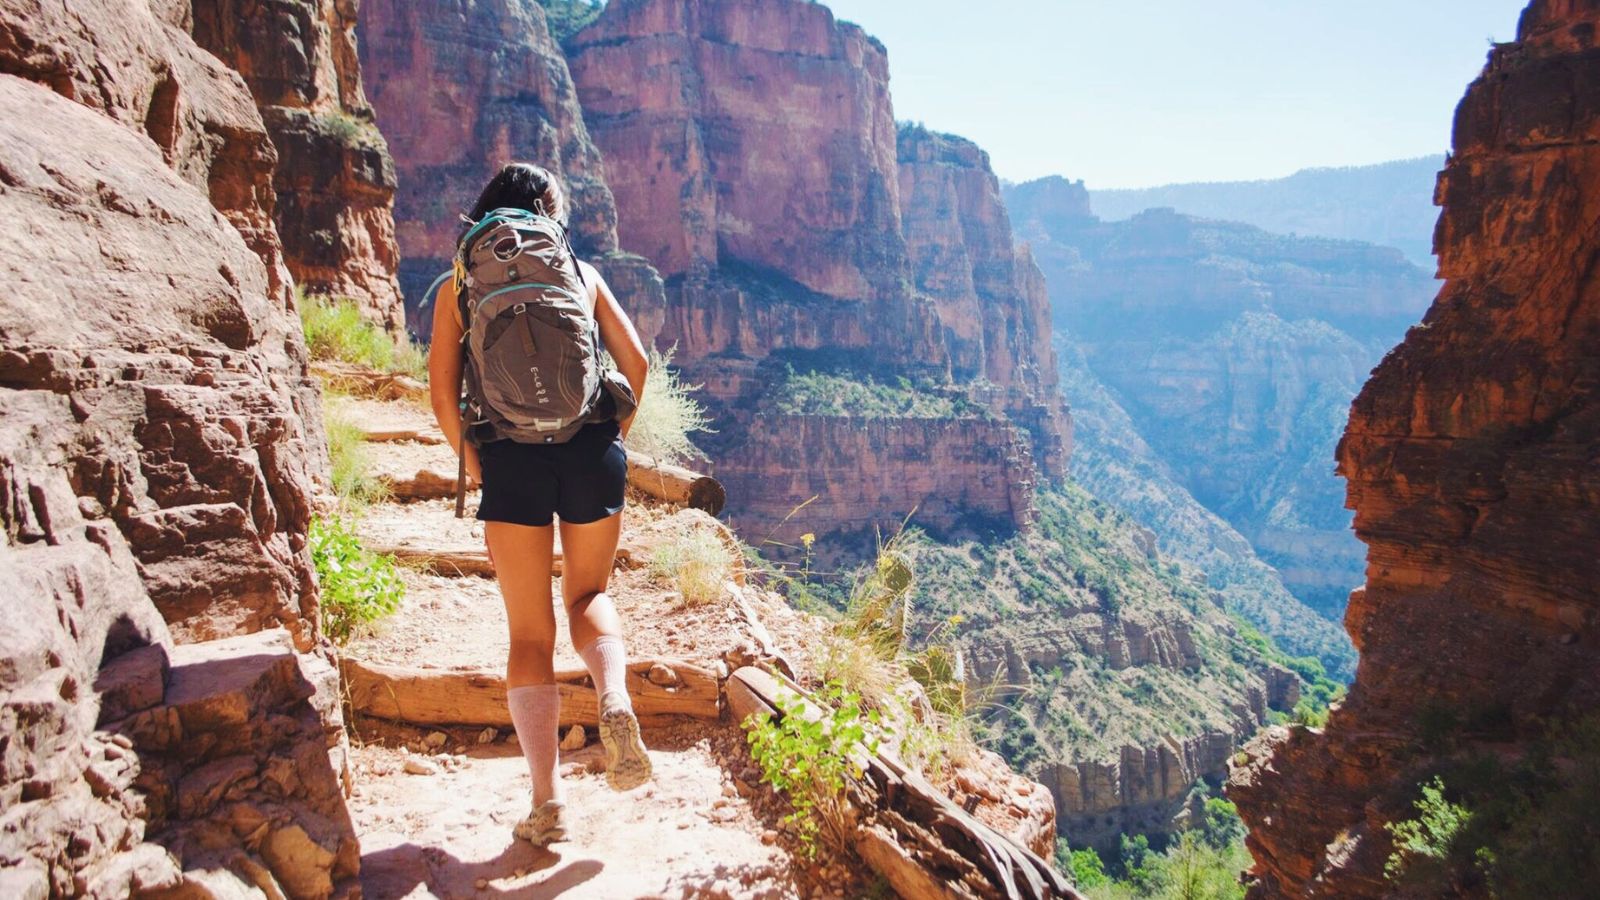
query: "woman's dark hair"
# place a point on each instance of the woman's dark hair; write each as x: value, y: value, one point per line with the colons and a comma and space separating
x: 523, y: 186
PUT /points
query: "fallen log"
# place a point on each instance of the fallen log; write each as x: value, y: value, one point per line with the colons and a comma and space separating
x: 361, y: 381
x: 464, y: 562
x: 402, y: 436
x: 420, y: 696
x: 908, y: 831
x: 425, y: 483
x: 673, y: 484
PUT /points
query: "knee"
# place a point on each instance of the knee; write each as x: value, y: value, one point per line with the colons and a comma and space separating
x: 582, y: 598
x: 532, y: 649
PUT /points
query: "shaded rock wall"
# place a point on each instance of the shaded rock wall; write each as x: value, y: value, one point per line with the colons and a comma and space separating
x: 461, y: 88
x: 1470, y: 457
x: 335, y: 181
x: 156, y: 469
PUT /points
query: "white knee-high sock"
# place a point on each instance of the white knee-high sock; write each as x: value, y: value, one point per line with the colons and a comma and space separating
x: 536, y: 712
x: 607, y: 663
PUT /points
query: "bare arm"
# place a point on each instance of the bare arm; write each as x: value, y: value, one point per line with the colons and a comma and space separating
x: 619, y: 336
x: 444, y: 374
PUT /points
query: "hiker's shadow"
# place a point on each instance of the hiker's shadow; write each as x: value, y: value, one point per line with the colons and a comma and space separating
x: 399, y: 870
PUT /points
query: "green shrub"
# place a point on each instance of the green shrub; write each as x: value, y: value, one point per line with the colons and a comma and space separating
x: 696, y: 562
x: 862, y: 396
x: 1083, y: 865
x: 668, y: 414
x: 811, y: 760
x: 358, y: 587
x: 349, y: 463
x: 336, y: 332
x: 1428, y: 838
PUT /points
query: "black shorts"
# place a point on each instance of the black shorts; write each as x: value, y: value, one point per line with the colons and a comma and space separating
x: 580, y: 481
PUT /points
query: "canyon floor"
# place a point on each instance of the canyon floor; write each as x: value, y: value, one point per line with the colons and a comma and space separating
x: 434, y: 804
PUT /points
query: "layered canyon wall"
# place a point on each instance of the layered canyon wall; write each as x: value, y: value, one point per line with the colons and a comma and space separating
x: 1470, y: 458
x: 1109, y: 674
x: 165, y: 727
x: 460, y: 89
x: 1234, y: 352
x: 334, y: 179
x: 754, y: 156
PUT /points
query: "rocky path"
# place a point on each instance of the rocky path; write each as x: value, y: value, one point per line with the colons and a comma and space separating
x: 434, y: 805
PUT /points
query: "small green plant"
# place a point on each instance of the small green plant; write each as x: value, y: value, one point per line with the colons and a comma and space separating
x: 696, y: 562
x: 1430, y: 836
x: 812, y: 758
x: 349, y: 463
x: 668, y: 413
x: 348, y: 129
x: 358, y: 587
x: 336, y: 332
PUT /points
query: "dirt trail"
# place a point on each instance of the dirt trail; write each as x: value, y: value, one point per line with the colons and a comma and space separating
x: 435, y: 816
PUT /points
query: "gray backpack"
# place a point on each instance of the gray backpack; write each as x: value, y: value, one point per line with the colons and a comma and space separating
x: 531, y: 347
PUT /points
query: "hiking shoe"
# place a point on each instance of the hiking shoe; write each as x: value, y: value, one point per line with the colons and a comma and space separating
x: 627, y: 763
x: 547, y: 822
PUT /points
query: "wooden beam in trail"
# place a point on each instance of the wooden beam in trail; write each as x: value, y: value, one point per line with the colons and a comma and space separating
x: 361, y: 381
x: 908, y: 831
x: 478, y: 696
x: 674, y: 484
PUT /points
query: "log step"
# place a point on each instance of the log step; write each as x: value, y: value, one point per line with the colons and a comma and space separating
x: 420, y: 696
x: 463, y: 563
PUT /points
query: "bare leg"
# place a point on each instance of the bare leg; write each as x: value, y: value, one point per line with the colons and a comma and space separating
x: 587, y: 553
x: 522, y: 557
x: 522, y: 562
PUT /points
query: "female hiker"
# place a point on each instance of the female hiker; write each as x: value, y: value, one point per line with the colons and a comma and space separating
x: 542, y: 429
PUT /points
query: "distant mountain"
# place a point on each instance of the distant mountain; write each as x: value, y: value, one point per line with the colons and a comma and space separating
x: 1388, y: 203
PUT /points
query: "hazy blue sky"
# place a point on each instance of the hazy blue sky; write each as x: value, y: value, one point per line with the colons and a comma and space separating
x: 1129, y: 94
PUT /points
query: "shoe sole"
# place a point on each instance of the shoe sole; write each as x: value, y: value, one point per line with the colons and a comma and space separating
x: 627, y: 763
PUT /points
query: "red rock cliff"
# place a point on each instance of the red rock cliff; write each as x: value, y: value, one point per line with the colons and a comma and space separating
x: 992, y: 298
x: 161, y: 436
x: 334, y: 180
x: 1470, y: 458
x: 753, y: 154
x: 463, y: 88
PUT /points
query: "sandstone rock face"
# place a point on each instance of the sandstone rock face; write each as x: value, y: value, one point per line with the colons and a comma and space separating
x: 1234, y: 352
x: 955, y: 472
x: 462, y: 88
x: 754, y: 132
x: 993, y: 305
x: 237, y: 774
x: 1470, y: 462
x: 334, y: 181
x: 136, y: 298
x: 161, y: 436
x: 754, y: 157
